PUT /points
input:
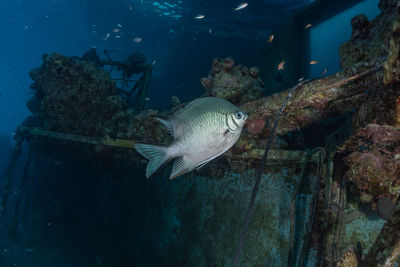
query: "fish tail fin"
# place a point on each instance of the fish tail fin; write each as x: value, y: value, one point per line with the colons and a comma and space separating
x: 157, y: 156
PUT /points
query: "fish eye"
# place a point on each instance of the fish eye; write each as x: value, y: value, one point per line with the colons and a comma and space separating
x: 239, y: 115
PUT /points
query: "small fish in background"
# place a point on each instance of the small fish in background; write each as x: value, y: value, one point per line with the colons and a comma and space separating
x: 300, y: 79
x: 26, y: 27
x: 119, y: 25
x: 241, y: 6
x: 324, y: 72
x: 130, y: 7
x: 147, y: 99
x: 281, y: 66
x: 200, y: 16
x: 307, y: 26
x: 313, y: 62
x: 210, y: 31
x: 106, y: 37
x: 118, y: 36
x: 271, y: 38
x: 137, y: 39
x: 203, y: 130
x: 115, y: 30
x: 154, y: 62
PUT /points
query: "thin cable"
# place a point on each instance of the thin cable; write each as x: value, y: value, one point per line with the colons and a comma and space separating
x: 258, y: 178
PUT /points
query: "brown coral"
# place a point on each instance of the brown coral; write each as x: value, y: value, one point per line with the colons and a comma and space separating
x: 77, y: 97
x: 369, y: 41
x: 373, y: 164
x: 349, y: 259
x: 235, y: 83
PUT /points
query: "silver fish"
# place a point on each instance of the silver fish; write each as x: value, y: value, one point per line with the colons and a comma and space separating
x: 204, y: 129
x: 201, y: 16
x: 241, y: 6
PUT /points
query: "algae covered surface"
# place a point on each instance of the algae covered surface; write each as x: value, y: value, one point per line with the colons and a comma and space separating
x: 202, y: 218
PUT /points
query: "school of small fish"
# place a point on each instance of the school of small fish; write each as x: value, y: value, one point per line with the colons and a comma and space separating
x: 281, y: 65
x: 203, y: 130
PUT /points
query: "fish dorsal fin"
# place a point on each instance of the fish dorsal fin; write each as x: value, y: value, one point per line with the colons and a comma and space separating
x: 169, y: 124
x: 179, y: 168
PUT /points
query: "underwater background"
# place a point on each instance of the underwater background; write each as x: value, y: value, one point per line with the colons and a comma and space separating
x: 74, y: 194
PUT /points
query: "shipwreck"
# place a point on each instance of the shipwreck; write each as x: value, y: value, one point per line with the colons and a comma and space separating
x: 319, y: 186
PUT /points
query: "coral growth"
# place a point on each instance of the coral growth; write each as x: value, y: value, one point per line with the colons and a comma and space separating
x: 237, y: 83
x: 256, y: 126
x: 349, y: 259
x: 368, y: 46
x: 374, y: 161
x: 77, y: 97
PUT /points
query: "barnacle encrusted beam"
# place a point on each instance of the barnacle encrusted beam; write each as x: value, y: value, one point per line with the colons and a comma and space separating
x: 316, y: 100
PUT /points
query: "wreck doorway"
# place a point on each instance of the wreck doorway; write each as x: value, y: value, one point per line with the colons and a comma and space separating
x: 326, y: 37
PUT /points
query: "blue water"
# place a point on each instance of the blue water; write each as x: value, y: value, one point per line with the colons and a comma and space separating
x: 74, y: 212
x: 330, y: 34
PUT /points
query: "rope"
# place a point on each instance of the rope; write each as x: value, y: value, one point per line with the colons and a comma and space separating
x: 258, y: 177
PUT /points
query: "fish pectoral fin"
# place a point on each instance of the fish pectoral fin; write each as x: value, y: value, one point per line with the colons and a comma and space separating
x: 180, y: 167
x: 210, y: 159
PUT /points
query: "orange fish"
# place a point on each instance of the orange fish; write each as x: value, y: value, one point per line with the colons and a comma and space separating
x: 281, y: 66
x: 307, y: 26
x: 271, y: 38
x: 312, y: 62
